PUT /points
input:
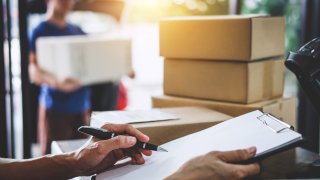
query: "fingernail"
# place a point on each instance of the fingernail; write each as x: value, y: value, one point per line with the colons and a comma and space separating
x: 131, y: 139
x: 251, y: 150
x: 146, y: 137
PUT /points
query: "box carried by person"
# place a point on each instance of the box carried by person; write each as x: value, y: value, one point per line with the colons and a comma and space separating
x: 89, y: 59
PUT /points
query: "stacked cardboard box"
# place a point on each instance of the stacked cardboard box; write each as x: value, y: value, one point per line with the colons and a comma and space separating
x: 283, y: 108
x: 231, y: 60
x: 191, y: 120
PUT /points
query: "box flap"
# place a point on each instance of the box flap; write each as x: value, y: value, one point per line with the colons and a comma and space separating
x: 215, y: 17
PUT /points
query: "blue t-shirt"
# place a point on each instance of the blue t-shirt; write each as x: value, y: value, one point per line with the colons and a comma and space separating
x: 73, y: 102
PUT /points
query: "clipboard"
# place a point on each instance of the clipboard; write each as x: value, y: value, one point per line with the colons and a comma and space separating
x: 277, y: 126
x: 265, y: 131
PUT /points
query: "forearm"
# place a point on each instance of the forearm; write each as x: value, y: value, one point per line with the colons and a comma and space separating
x: 38, y: 76
x: 46, y: 167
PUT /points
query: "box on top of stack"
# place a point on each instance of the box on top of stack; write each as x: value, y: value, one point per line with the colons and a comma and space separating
x: 232, y: 37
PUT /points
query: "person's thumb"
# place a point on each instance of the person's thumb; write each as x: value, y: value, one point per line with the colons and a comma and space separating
x: 238, y: 155
x: 117, y: 142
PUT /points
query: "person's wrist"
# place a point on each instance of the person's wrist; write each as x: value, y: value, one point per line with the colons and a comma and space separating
x: 69, y: 163
x: 53, y: 83
x: 49, y: 79
x: 73, y: 165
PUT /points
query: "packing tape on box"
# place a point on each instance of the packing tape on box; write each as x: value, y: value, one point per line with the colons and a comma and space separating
x: 268, y: 79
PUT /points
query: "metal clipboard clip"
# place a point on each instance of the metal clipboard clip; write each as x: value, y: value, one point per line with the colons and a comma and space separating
x: 274, y: 123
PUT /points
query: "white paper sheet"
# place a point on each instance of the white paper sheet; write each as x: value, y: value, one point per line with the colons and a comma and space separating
x: 240, y: 132
x: 127, y: 117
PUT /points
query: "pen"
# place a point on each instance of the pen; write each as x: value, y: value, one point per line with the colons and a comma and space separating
x: 104, y: 134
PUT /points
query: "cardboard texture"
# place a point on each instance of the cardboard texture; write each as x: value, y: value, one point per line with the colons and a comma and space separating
x: 283, y: 108
x: 233, y: 37
x: 89, y: 59
x: 192, y: 119
x: 239, y: 82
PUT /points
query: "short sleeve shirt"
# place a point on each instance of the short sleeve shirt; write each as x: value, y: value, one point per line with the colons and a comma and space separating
x: 73, y: 102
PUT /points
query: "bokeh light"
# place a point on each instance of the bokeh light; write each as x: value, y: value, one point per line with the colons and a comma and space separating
x: 152, y: 10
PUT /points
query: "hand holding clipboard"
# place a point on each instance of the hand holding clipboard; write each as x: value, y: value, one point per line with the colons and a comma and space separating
x: 264, y: 131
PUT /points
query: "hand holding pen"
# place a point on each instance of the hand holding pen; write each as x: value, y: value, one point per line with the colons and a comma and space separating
x: 105, y: 134
x: 107, y: 152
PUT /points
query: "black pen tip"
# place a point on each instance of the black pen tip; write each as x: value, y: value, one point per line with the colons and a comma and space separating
x: 161, y: 149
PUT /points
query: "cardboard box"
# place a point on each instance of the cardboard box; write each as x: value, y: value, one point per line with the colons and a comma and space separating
x: 192, y: 119
x: 240, y: 82
x: 283, y: 108
x: 90, y: 59
x: 233, y: 37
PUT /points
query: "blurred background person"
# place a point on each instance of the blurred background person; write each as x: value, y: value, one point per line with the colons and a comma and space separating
x: 64, y: 105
